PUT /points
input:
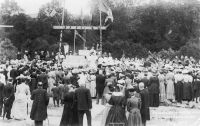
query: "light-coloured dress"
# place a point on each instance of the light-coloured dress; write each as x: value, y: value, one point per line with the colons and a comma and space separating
x: 161, y: 78
x: 51, y: 82
x: 22, y: 96
x: 105, y: 110
x: 93, y: 85
x: 170, y: 86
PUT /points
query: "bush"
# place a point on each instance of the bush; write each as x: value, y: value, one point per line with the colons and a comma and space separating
x: 190, y: 49
x: 7, y: 50
x: 128, y: 48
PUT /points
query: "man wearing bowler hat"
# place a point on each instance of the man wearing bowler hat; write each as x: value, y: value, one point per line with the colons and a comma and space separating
x: 40, y: 103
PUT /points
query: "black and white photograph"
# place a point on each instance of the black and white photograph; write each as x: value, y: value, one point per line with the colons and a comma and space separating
x: 99, y: 62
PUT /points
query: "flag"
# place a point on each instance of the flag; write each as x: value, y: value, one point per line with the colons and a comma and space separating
x: 50, y: 12
x: 76, y: 33
x: 53, y: 13
x: 103, y: 6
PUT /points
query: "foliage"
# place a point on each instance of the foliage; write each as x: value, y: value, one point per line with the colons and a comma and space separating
x: 135, y: 30
x: 7, y: 49
x: 190, y: 49
x: 120, y: 47
x: 167, y: 54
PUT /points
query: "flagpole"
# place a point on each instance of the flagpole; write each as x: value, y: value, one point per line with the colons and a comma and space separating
x: 84, y: 32
x: 100, y: 43
x: 74, y: 41
x: 61, y: 31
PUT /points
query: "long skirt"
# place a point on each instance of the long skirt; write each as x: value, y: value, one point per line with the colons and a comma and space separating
x: 93, y: 88
x: 19, y: 109
x: 196, y: 89
x: 179, y: 91
x: 154, y: 99
x: 187, y: 91
x: 116, y: 115
x: 69, y: 116
x: 134, y: 118
x: 170, y: 90
x: 162, y: 92
x: 105, y: 114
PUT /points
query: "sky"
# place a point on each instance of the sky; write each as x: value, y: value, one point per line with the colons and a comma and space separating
x: 73, y: 6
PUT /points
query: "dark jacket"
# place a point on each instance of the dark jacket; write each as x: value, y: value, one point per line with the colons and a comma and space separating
x: 100, y: 83
x: 44, y: 79
x: 145, y: 113
x: 83, y: 98
x: 9, y: 93
x: 145, y: 80
x: 14, y: 73
x: 66, y: 80
x: 1, y: 92
x: 39, y: 107
x: 56, y: 92
x: 154, y: 85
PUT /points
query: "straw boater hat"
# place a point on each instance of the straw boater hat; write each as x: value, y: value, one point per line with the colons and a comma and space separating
x: 75, y: 71
x: 185, y: 71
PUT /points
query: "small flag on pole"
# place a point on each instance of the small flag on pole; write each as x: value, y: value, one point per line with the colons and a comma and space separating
x: 53, y: 13
x: 103, y: 6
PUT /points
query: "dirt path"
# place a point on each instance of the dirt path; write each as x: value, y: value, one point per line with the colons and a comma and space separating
x: 165, y: 116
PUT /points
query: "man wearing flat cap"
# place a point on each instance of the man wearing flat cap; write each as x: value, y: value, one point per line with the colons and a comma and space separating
x: 40, y: 103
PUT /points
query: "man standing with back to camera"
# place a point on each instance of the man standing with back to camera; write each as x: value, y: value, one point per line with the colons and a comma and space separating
x: 84, y: 103
x: 9, y: 98
x: 145, y: 113
x: 40, y: 103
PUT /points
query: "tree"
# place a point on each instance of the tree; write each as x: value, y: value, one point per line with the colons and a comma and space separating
x: 7, y: 49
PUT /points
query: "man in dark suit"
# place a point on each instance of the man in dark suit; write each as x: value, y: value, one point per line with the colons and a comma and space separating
x: 1, y: 96
x: 84, y: 103
x: 100, y: 85
x: 13, y: 74
x: 8, y: 98
x: 56, y: 95
x: 44, y: 79
x: 154, y: 90
x: 145, y: 113
x: 40, y: 103
x: 145, y: 80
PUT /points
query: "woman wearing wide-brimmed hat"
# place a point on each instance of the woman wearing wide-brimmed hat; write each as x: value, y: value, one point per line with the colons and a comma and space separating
x: 187, y: 85
x: 170, y: 85
x: 162, y: 88
x: 154, y: 90
x: 133, y: 107
x: 22, y: 96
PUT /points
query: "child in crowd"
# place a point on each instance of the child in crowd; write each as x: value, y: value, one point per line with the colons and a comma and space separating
x: 56, y: 94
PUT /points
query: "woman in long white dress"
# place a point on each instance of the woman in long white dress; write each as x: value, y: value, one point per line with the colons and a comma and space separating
x: 170, y: 86
x: 161, y: 78
x: 93, y: 85
x: 22, y: 95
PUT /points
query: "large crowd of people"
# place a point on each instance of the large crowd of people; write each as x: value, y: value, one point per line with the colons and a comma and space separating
x: 127, y: 87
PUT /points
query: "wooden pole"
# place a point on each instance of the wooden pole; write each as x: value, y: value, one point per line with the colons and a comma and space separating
x: 100, y: 43
x: 61, y: 31
x: 74, y: 42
